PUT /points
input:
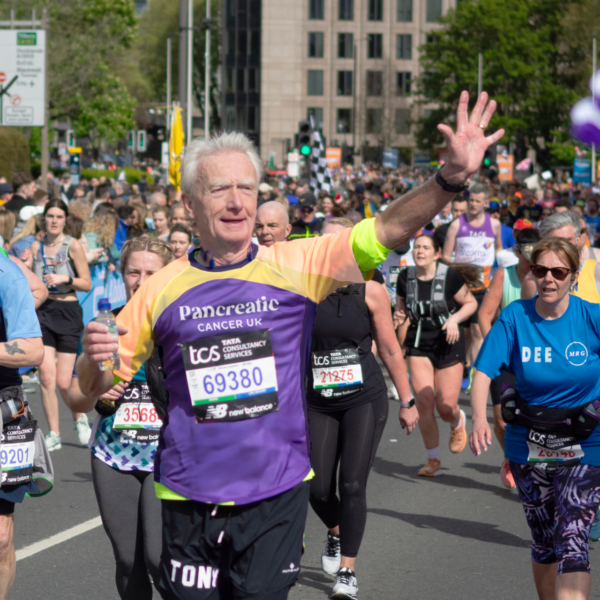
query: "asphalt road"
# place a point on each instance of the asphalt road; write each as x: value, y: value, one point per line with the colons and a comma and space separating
x: 461, y: 535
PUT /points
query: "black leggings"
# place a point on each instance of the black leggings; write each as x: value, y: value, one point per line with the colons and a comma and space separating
x: 349, y: 438
x: 131, y: 516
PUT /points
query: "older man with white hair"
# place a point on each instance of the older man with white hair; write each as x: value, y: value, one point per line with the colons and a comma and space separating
x: 233, y: 323
x: 272, y: 223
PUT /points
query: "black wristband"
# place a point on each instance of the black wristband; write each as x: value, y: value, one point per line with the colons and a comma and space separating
x: 70, y: 281
x: 449, y: 187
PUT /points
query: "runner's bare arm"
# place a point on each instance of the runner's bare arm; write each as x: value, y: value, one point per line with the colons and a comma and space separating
x: 497, y: 234
x: 466, y: 149
x: 528, y: 287
x: 28, y: 352
x: 98, y: 345
x: 36, y: 285
x: 491, y: 302
x: 450, y: 241
x: 77, y: 401
x: 481, y: 434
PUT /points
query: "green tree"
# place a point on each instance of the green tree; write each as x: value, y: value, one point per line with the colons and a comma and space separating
x: 527, y: 68
x: 161, y: 19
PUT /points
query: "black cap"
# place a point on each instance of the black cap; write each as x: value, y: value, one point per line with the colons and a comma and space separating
x: 307, y: 199
x: 6, y: 188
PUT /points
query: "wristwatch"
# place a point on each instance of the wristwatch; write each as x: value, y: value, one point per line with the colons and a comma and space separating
x: 70, y: 281
x: 408, y: 404
x: 449, y: 187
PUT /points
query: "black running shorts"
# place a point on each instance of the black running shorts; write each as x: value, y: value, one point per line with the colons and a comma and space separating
x: 61, y: 324
x: 250, y: 551
x: 444, y: 355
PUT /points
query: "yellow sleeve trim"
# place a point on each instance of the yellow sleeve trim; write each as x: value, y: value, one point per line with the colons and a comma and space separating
x: 367, y: 250
x: 309, y: 476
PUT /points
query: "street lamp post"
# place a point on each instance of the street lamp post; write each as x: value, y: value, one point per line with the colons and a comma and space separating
x: 207, y: 74
x: 190, y: 70
x: 594, y: 169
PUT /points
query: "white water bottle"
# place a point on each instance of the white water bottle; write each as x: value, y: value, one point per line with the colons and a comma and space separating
x: 105, y: 316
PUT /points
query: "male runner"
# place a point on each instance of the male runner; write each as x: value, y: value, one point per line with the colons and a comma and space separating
x: 272, y: 223
x: 233, y: 326
x: 20, y: 346
x: 474, y: 238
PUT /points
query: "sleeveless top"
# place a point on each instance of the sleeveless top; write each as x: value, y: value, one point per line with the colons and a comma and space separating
x: 586, y: 287
x: 342, y: 334
x: 476, y: 246
x: 511, y: 287
x: 60, y: 264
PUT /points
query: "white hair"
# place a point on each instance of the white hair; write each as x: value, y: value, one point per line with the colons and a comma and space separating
x: 559, y: 220
x: 274, y: 205
x: 200, y: 149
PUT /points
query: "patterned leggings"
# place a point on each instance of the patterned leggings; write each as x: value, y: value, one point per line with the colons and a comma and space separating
x: 560, y: 506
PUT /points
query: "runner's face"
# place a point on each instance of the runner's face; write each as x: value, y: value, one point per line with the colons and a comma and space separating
x: 55, y: 220
x: 179, y: 242
x: 160, y: 222
x: 226, y: 212
x: 552, y: 290
x: 140, y: 266
x: 270, y: 227
x: 476, y: 204
x: 568, y: 233
x: 179, y: 216
x: 424, y: 253
x: 459, y: 208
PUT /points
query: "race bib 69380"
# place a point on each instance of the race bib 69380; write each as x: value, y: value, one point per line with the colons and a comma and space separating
x: 231, y: 377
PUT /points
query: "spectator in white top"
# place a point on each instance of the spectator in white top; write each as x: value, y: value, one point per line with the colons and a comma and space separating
x: 39, y: 200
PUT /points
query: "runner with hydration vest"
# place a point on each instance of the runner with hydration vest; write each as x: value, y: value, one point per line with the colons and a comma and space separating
x: 433, y: 299
x: 124, y: 442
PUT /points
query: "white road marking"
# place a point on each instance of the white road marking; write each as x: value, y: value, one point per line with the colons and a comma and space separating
x: 59, y: 538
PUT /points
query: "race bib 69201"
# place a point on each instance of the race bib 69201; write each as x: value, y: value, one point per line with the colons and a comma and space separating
x: 231, y: 377
x: 16, y: 452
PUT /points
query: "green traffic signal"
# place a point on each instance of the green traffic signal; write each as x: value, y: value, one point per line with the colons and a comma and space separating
x: 486, y: 162
x: 305, y: 150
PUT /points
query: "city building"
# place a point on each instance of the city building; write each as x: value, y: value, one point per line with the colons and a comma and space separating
x: 351, y: 64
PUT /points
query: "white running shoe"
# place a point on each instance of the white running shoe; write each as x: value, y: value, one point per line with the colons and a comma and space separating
x: 393, y: 393
x: 345, y: 585
x: 53, y: 442
x: 82, y: 426
x: 332, y: 555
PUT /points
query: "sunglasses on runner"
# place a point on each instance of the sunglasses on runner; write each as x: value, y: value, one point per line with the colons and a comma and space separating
x: 559, y: 273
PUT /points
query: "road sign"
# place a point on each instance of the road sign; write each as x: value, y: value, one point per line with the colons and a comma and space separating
x: 22, y: 78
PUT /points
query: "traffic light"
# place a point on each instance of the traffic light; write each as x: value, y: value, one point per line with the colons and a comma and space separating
x: 131, y: 140
x: 347, y: 154
x: 489, y: 164
x: 141, y: 140
x: 70, y: 138
x: 304, y: 142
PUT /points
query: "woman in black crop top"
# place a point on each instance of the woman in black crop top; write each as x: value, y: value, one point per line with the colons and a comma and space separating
x: 348, y: 407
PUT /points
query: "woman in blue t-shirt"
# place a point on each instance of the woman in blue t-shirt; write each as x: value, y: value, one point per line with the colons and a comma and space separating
x: 551, y: 343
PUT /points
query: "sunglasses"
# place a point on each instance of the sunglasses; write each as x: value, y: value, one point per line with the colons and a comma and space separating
x: 558, y: 273
x: 307, y: 209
